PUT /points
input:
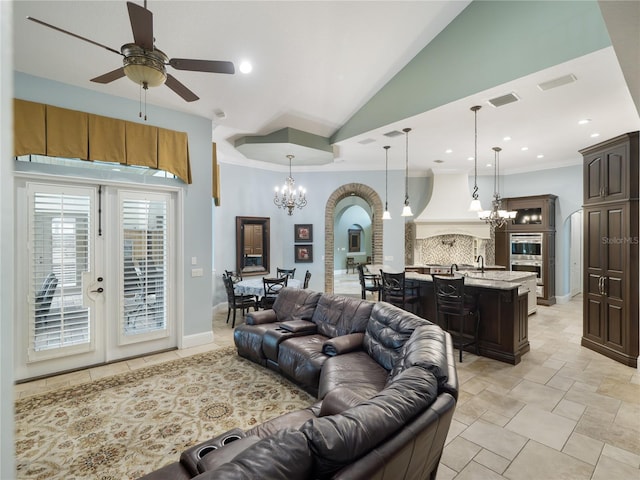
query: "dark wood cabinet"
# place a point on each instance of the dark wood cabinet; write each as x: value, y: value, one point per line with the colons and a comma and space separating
x: 610, y: 311
x: 609, y: 171
x: 535, y: 215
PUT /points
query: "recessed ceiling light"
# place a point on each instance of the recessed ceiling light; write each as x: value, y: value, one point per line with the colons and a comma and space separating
x: 584, y: 121
x: 448, y: 150
x: 524, y: 149
x: 594, y: 135
x: 470, y: 159
x: 540, y: 156
x: 506, y: 139
x: 488, y: 164
x: 246, y: 67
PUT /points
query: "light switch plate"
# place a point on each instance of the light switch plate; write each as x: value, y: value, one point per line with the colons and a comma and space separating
x: 197, y: 272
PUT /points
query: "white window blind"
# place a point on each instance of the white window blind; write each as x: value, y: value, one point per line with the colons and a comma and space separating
x: 144, y: 266
x: 59, y: 237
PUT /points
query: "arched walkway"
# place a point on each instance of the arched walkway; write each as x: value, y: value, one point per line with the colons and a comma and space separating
x: 373, y: 199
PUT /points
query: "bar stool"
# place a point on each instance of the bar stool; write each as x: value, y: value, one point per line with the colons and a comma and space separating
x: 397, y: 291
x: 452, y: 302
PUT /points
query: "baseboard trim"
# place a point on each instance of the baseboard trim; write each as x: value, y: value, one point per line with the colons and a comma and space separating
x: 197, y: 339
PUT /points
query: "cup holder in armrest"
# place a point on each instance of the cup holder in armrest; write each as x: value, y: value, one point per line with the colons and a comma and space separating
x: 204, y: 450
x: 230, y: 438
x: 190, y: 457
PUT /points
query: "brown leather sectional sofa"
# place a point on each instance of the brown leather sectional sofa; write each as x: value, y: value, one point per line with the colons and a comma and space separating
x: 386, y: 385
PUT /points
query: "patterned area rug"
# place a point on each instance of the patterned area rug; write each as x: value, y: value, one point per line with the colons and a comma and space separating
x: 131, y: 424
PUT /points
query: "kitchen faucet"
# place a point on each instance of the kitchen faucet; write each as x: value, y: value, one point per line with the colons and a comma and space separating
x: 481, y: 260
x: 453, y: 265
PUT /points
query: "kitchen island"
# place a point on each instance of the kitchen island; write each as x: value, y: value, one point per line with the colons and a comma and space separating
x: 503, y: 300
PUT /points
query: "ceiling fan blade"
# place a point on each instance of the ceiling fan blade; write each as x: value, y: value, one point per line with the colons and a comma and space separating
x: 73, y: 34
x: 212, y: 66
x: 180, y: 89
x: 142, y: 25
x: 110, y: 77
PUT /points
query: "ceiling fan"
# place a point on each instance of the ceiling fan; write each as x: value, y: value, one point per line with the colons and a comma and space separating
x: 143, y: 63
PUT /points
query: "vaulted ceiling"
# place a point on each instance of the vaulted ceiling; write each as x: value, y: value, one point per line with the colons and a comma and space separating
x: 350, y: 72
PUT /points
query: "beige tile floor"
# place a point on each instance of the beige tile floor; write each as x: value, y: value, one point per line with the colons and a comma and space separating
x: 564, y: 412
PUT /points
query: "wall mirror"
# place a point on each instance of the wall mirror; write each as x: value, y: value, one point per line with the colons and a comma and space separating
x: 252, y: 245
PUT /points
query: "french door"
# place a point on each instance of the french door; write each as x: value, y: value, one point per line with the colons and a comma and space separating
x: 96, y: 272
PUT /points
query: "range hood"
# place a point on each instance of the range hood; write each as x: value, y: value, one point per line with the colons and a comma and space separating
x: 447, y: 212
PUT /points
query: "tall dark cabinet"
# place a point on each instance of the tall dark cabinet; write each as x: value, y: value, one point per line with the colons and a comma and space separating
x: 611, y: 240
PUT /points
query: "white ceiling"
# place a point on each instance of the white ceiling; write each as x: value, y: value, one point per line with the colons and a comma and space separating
x: 316, y: 63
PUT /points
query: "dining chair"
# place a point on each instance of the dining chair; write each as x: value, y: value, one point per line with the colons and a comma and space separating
x: 307, y: 277
x: 286, y: 272
x: 397, y: 291
x: 272, y: 287
x: 369, y: 282
x: 451, y: 301
x: 235, y: 301
x: 235, y: 276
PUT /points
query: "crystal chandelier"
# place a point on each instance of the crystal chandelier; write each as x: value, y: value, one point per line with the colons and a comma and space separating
x: 386, y: 215
x: 288, y: 197
x: 406, y: 210
x: 496, y: 217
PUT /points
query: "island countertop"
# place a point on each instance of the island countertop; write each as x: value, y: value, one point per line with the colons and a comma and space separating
x: 494, y: 279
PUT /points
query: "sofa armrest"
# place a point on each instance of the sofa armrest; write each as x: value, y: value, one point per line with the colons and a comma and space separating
x: 260, y: 317
x: 299, y: 326
x: 225, y: 454
x: 343, y: 344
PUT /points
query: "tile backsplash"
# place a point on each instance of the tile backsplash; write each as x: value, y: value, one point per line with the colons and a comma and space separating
x: 448, y: 249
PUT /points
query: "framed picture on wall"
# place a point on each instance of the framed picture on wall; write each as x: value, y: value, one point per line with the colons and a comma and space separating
x: 303, y: 232
x: 303, y: 253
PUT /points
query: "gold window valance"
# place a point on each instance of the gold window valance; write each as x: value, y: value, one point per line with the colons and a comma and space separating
x: 58, y: 132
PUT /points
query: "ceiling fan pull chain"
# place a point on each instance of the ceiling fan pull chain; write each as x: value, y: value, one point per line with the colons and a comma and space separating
x: 140, y: 101
x: 145, y: 104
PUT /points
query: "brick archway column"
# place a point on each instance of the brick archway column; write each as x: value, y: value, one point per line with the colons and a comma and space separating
x: 373, y: 199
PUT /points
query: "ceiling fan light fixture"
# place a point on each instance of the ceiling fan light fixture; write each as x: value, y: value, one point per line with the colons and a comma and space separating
x: 144, y: 67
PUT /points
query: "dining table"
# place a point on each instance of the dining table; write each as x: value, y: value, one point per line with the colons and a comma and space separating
x: 254, y: 286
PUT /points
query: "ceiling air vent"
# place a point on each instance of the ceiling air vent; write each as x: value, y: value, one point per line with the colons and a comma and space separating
x: 393, y: 133
x: 366, y: 141
x: 557, y: 82
x: 504, y: 100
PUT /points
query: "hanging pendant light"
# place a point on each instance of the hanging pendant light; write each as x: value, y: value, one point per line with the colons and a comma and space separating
x: 406, y: 210
x: 289, y: 198
x: 386, y: 215
x: 475, y: 205
x: 496, y: 217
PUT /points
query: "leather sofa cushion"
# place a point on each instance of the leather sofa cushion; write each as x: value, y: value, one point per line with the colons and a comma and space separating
x: 425, y: 348
x: 248, y: 340
x: 301, y: 359
x: 260, y: 317
x: 340, y: 399
x: 343, y: 344
x: 282, y: 456
x: 295, y: 304
x: 387, y: 331
x: 338, y: 440
x: 336, y: 315
x: 356, y: 371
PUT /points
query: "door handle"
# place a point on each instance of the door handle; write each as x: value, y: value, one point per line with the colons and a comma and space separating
x: 99, y: 290
x: 600, y: 284
x: 604, y: 286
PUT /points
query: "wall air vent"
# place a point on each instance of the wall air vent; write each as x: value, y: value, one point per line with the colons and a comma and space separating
x: 393, y: 133
x: 366, y: 141
x: 557, y: 82
x: 504, y: 100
